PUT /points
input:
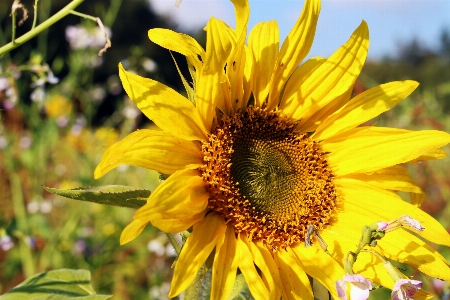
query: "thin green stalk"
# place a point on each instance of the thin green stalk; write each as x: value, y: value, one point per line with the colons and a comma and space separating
x: 70, y: 225
x: 22, y: 224
x: 41, y: 27
x: 83, y: 15
x: 35, y: 6
x: 42, y: 39
x: 174, y: 243
x: 13, y: 34
x: 112, y: 12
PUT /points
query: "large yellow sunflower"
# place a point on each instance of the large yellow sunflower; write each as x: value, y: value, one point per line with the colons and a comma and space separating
x: 263, y: 147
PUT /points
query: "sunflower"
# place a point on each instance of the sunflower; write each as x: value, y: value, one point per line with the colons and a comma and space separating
x: 264, y: 147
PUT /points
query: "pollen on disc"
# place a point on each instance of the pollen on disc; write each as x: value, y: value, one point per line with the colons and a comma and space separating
x: 267, y: 179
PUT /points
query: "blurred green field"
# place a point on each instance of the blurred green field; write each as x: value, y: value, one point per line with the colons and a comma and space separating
x: 53, y: 133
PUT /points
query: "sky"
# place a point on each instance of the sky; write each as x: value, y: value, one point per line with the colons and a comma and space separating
x: 391, y: 22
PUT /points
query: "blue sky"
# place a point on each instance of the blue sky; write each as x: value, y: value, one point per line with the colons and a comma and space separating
x: 391, y: 22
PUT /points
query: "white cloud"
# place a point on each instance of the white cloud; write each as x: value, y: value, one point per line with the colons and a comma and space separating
x: 194, y: 14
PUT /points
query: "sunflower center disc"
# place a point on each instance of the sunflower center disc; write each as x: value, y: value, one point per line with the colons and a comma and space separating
x: 267, y: 179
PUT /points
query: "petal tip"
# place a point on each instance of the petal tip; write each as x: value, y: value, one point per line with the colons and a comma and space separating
x: 98, y: 172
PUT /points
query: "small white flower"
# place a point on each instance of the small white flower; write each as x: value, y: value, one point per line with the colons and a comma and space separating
x: 4, y: 84
x: 33, y: 207
x: 79, y: 37
x: 38, y: 95
x: 6, y: 242
x: 25, y: 142
x: 155, y: 246
x: 46, y: 207
x: 149, y: 65
x: 3, y: 142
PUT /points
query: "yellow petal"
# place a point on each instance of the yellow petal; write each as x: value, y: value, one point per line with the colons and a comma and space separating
x: 294, y: 49
x: 178, y: 224
x: 365, y: 107
x: 242, y: 13
x: 181, y: 196
x: 339, y: 244
x: 151, y: 149
x: 432, y: 154
x: 132, y: 231
x: 367, y: 149
x: 394, y: 178
x: 370, y: 266
x: 195, y: 251
x: 404, y: 247
x: 190, y: 90
x: 263, y: 41
x: 247, y: 267
x: 331, y: 80
x: 266, y: 263
x: 398, y: 245
x: 248, y: 76
x: 320, y: 115
x: 295, y: 283
x: 235, y: 73
x: 380, y: 205
x: 178, y: 42
x: 236, y: 61
x: 224, y: 266
x: 300, y: 75
x: 320, y: 266
x: 169, y: 110
x: 212, y: 78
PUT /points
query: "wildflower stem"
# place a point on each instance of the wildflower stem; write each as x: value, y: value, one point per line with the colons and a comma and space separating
x: 40, y: 28
x: 13, y: 18
x: 22, y: 225
x: 100, y: 24
x: 112, y: 12
x: 68, y: 227
x: 73, y: 12
x: 375, y: 253
x: 35, y: 6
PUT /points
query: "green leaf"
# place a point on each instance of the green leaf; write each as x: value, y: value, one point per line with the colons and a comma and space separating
x: 56, y: 285
x: 239, y: 290
x: 117, y: 195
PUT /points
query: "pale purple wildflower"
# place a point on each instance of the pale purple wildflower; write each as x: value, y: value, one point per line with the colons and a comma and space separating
x: 410, y: 222
x: 404, y: 289
x: 359, y: 287
x: 80, y: 37
x: 406, y: 221
x: 382, y: 226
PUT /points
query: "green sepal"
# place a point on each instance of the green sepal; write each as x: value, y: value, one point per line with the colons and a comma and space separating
x: 117, y: 195
x: 57, y: 284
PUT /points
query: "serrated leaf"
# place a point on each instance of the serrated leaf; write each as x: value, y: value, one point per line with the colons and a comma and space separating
x: 63, y: 284
x: 117, y: 195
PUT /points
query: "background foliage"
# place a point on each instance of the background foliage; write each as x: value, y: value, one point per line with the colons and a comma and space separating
x: 62, y: 106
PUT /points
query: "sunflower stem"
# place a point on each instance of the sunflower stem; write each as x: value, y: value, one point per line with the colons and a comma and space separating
x: 174, y: 243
